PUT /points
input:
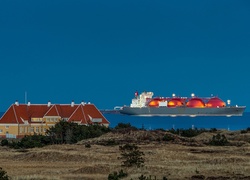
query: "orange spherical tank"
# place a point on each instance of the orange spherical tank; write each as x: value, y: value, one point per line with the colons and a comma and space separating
x: 215, y: 102
x: 175, y: 102
x: 195, y: 103
x: 154, y: 102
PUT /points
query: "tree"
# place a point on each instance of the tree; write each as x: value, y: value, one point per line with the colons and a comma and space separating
x: 69, y: 132
x: 131, y: 155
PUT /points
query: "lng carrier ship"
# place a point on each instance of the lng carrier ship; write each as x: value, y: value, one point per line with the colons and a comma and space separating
x: 147, y: 105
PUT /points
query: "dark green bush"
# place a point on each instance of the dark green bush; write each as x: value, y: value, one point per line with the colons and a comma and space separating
x: 117, y: 175
x: 4, y: 142
x: 88, y: 145
x: 3, y: 174
x: 167, y: 137
x: 131, y: 155
x: 68, y: 133
x: 219, y: 140
x: 30, y: 142
x: 189, y: 132
x: 123, y: 126
x: 62, y: 133
x: 142, y: 177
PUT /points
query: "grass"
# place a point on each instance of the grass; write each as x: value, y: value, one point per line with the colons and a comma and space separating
x: 162, y: 159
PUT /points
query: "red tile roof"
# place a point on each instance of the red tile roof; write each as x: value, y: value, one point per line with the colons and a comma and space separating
x: 16, y: 114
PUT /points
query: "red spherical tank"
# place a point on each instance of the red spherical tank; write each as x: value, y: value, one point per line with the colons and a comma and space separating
x: 195, y: 103
x: 215, y: 102
x: 174, y: 102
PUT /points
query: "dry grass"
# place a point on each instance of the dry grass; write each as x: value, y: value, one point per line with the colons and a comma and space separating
x: 172, y: 160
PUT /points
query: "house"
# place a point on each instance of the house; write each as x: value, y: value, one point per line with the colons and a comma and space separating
x: 27, y: 119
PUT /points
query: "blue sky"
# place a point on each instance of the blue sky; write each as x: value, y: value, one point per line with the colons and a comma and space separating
x: 103, y: 51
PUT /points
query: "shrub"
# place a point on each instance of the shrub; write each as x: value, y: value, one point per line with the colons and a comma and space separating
x: 167, y: 137
x: 3, y: 175
x: 131, y: 155
x: 116, y: 176
x: 188, y: 132
x: 123, y: 125
x: 87, y: 145
x: 219, y: 140
x: 69, y: 133
x: 31, y: 142
x: 243, y: 131
x: 4, y: 142
x: 142, y: 177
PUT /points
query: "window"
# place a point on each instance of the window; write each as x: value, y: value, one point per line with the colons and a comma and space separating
x: 32, y: 129
x: 37, y: 129
x: 1, y: 131
x: 21, y: 129
x: 7, y: 127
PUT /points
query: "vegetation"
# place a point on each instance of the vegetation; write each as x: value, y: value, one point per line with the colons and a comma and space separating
x: 142, y: 177
x: 191, y: 132
x: 124, y: 128
x: 69, y: 133
x: 131, y: 155
x: 117, y: 175
x: 219, y: 140
x: 3, y: 175
x: 62, y: 133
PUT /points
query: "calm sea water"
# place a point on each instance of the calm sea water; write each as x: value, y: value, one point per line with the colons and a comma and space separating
x: 157, y: 122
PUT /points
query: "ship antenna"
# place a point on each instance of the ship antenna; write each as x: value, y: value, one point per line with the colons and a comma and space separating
x: 25, y: 97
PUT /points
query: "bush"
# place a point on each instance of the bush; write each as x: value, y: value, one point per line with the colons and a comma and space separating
x: 219, y: 140
x: 123, y: 125
x: 142, y: 177
x: 131, y: 155
x: 88, y: 145
x: 68, y: 133
x: 116, y: 176
x: 3, y: 175
x: 167, y: 137
x: 30, y: 142
x: 4, y: 142
x: 188, y: 132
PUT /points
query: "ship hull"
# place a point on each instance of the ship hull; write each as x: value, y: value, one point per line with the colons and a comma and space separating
x: 183, y: 111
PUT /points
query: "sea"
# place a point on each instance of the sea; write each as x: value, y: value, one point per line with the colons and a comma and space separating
x: 181, y: 122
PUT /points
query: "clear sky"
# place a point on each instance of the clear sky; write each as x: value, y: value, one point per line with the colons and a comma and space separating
x: 103, y: 51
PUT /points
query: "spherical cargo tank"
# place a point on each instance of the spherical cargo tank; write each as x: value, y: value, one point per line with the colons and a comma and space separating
x: 174, y: 102
x: 195, y: 103
x: 215, y: 102
x: 155, y: 102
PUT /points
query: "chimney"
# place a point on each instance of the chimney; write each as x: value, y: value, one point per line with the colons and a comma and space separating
x: 17, y: 103
x: 72, y: 103
x: 49, y: 103
x: 28, y: 103
x: 83, y: 103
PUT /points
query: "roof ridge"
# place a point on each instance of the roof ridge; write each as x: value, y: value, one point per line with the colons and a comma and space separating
x: 57, y: 110
x: 6, y: 111
x: 15, y: 113
x: 49, y: 110
x: 84, y: 114
x: 73, y: 112
x: 100, y: 113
